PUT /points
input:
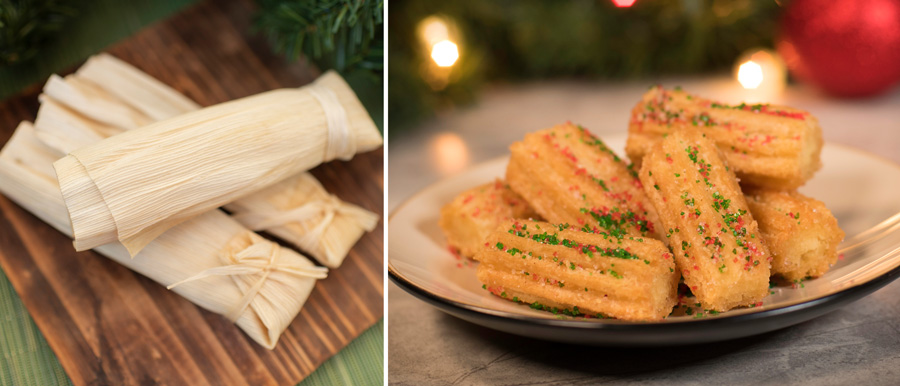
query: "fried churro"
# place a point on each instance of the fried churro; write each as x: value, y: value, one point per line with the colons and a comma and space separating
x: 561, y: 269
x: 800, y: 232
x: 467, y: 220
x: 769, y: 146
x: 570, y: 176
x: 717, y: 244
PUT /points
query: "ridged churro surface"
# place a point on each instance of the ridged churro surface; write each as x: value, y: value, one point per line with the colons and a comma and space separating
x: 768, y: 146
x: 563, y: 269
x: 467, y: 220
x: 800, y: 232
x: 570, y: 176
x: 717, y: 245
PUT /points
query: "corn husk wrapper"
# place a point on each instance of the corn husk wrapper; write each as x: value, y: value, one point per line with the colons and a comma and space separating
x: 133, y: 186
x: 298, y: 210
x: 302, y: 212
x: 215, y: 262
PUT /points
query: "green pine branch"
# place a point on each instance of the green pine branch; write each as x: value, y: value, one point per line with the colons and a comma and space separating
x: 26, y: 25
x: 345, y: 35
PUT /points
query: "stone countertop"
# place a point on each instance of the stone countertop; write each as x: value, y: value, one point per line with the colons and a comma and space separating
x: 859, y: 343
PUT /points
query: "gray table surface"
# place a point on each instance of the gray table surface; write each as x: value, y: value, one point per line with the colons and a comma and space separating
x: 858, y: 344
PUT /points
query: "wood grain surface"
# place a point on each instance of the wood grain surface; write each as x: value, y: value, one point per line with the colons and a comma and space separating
x: 109, y: 325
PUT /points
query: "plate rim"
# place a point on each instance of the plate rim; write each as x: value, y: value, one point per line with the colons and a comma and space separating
x: 445, y: 304
x: 610, y: 325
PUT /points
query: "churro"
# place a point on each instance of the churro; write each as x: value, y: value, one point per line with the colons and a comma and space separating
x: 769, y: 146
x: 717, y: 244
x: 561, y: 269
x: 467, y: 220
x: 570, y: 176
x: 799, y: 231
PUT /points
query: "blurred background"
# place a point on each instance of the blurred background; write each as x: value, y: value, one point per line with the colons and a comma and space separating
x: 468, y: 77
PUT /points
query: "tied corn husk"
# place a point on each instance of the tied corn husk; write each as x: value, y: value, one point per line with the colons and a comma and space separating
x: 298, y: 210
x: 133, y: 186
x: 211, y: 260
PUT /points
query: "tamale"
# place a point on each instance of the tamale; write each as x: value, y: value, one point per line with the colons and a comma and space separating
x: 297, y: 210
x: 154, y: 99
x: 300, y: 211
x: 211, y: 259
x: 61, y: 128
x: 133, y: 186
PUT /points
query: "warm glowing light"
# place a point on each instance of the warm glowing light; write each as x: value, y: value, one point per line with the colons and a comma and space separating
x: 762, y: 76
x: 449, y: 153
x: 623, y: 3
x: 750, y: 74
x: 445, y: 53
x: 434, y: 30
x: 440, y: 39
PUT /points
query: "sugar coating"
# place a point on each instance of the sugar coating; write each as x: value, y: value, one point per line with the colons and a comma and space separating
x: 771, y: 146
x: 467, y: 220
x: 800, y: 232
x: 718, y: 248
x: 563, y: 269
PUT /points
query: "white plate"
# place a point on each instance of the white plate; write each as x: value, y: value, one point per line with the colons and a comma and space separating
x: 859, y: 188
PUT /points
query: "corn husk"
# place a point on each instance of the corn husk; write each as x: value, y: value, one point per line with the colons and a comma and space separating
x: 133, y: 186
x: 61, y: 128
x: 298, y: 210
x: 135, y: 88
x: 213, y: 260
x: 95, y: 102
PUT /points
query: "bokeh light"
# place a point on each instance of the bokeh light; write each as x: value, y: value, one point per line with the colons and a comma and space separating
x: 623, y: 3
x: 449, y: 153
x: 445, y: 53
x: 750, y: 74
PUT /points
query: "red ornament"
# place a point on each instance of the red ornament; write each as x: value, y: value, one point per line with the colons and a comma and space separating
x: 848, y: 48
x: 623, y: 3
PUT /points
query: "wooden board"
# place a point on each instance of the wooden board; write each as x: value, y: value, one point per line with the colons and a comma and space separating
x: 109, y: 325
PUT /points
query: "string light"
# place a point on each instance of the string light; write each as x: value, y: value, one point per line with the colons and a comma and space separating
x: 439, y: 39
x: 750, y: 74
x: 623, y: 3
x: 445, y: 53
x: 761, y: 74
